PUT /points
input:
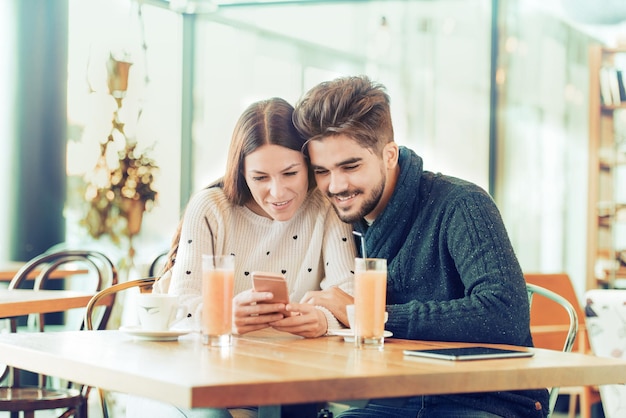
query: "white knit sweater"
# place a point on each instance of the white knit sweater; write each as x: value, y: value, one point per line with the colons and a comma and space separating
x: 314, y: 249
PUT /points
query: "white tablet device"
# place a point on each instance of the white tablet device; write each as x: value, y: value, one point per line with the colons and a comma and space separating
x: 469, y: 353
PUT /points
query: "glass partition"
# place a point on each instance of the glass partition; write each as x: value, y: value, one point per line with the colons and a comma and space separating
x: 434, y: 58
x: 543, y: 132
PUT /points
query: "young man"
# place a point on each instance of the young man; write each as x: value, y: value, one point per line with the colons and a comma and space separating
x: 452, y: 272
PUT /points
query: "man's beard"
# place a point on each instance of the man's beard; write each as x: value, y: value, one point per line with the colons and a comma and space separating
x: 368, y: 206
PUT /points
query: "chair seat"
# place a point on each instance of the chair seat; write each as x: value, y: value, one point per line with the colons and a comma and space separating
x: 33, y: 398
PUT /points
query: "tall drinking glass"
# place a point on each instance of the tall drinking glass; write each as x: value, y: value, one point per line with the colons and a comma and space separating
x: 218, y: 276
x: 370, y: 296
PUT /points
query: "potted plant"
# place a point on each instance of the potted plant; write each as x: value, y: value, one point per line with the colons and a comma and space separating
x: 118, y: 196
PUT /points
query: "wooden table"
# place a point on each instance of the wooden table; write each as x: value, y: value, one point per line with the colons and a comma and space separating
x: 269, y: 368
x: 9, y: 268
x: 23, y: 302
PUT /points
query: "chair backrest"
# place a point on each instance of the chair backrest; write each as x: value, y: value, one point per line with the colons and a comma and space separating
x: 549, y: 322
x: 605, y: 311
x: 98, y: 267
x: 534, y: 291
x: 158, y: 264
x: 45, y: 267
x: 102, y: 297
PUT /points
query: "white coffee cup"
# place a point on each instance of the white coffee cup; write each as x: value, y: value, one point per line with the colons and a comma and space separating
x: 157, y: 311
x: 350, y: 312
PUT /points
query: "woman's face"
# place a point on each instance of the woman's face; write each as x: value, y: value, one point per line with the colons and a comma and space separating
x: 278, y: 180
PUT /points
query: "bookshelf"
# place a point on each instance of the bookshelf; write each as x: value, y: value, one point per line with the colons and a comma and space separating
x: 606, y: 229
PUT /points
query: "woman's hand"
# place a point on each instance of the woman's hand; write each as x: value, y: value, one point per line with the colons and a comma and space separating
x: 250, y: 314
x: 305, y: 321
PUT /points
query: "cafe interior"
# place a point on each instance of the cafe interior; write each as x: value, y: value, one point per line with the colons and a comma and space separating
x: 507, y: 94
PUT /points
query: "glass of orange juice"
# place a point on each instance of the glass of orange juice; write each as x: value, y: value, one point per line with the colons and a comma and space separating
x: 218, y: 276
x: 370, y: 295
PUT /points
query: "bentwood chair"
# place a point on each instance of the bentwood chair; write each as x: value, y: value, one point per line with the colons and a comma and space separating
x: 40, y: 271
x: 99, y: 270
x: 103, y: 298
x: 158, y: 264
x: 572, y: 328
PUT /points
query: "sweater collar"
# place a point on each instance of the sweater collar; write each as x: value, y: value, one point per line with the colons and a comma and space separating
x: 398, y: 209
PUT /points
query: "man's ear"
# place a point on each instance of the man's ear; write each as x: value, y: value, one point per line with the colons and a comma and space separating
x: 390, y: 155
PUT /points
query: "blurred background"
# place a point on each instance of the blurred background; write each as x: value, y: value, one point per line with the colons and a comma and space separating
x: 495, y: 92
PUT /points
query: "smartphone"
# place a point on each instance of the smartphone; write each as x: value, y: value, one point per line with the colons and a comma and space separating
x: 271, y: 282
x: 469, y: 353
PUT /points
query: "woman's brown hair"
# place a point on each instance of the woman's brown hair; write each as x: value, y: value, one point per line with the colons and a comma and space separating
x: 266, y: 122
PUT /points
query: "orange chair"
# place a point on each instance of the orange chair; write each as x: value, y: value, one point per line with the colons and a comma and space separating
x: 549, y: 325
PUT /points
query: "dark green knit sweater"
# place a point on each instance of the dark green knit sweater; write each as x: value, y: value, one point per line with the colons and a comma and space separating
x: 452, y: 272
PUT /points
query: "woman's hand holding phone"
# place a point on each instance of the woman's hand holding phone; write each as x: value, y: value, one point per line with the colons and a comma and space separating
x: 251, y: 311
x: 266, y: 304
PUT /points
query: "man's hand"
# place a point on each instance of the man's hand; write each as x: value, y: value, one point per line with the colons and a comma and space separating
x: 334, y: 299
x: 305, y: 321
x: 249, y: 314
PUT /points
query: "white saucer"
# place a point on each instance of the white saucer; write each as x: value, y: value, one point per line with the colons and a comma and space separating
x: 348, y: 334
x: 170, y: 335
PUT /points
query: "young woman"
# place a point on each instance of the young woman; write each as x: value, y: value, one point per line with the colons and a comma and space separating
x: 269, y: 214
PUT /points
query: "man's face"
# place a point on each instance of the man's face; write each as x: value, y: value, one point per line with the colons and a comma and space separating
x: 352, y: 177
